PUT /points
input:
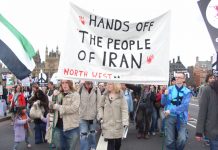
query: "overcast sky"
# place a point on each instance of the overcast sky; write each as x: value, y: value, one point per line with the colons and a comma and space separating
x: 42, y: 22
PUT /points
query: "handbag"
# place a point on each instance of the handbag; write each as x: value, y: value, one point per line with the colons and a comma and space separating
x: 157, y: 105
x: 36, y: 111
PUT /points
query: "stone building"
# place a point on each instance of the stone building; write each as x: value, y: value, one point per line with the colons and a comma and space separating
x: 49, y: 66
x: 201, y: 69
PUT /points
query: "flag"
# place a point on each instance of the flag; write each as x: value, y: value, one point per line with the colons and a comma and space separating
x: 16, y: 52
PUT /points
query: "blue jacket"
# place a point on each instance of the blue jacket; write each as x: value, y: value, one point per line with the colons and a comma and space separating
x: 180, y: 108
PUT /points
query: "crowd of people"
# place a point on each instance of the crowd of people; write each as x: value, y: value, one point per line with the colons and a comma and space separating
x: 72, y: 113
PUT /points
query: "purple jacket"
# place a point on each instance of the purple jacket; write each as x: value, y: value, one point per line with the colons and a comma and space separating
x: 19, y: 130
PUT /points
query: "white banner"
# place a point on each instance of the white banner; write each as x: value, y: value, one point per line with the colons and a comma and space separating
x: 108, y: 50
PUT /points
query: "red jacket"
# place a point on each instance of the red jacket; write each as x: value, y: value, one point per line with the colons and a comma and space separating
x: 21, y: 102
x: 158, y: 97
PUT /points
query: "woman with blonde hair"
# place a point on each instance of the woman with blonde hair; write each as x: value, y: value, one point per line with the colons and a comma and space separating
x: 66, y: 120
x: 113, y: 115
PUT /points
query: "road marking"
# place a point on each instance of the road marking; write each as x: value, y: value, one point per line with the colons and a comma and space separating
x: 191, y: 125
x: 102, y: 145
x: 194, y: 98
x: 193, y: 119
x: 194, y: 104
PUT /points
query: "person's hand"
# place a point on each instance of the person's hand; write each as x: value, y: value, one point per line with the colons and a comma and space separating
x: 198, y: 138
x: 56, y: 107
x: 166, y: 92
x: 125, y: 126
x: 167, y: 113
x: 28, y: 120
x: 42, y: 117
x: 36, y: 102
x: 56, y: 92
x: 51, y: 105
x: 100, y: 120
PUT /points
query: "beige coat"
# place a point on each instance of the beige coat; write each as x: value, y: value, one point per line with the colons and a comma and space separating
x: 115, y: 116
x: 69, y: 110
x: 89, y: 103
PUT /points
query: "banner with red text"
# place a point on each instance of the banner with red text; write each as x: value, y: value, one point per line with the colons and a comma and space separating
x: 112, y: 50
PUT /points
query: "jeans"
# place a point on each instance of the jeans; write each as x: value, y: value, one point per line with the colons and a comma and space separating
x: 40, y: 130
x: 172, y: 142
x: 214, y: 144
x: 153, y: 120
x: 16, y: 144
x: 162, y: 118
x: 66, y: 140
x: 87, y: 134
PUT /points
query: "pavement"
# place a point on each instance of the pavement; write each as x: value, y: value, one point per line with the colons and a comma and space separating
x: 7, y: 117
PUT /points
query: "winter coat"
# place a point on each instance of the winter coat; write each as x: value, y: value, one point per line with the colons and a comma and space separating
x: 89, y: 103
x: 69, y: 110
x: 208, y: 114
x: 114, y: 114
x: 19, y: 130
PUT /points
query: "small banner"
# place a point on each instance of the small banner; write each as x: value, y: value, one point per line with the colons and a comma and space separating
x: 112, y: 50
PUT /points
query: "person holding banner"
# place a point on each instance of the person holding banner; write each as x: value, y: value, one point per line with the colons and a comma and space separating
x: 176, y: 101
x: 113, y: 115
x: 65, y: 125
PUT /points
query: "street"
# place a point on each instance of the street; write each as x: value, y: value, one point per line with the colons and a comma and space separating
x: 130, y: 143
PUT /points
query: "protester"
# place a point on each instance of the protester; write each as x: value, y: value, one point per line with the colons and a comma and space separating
x: 50, y: 90
x: 207, y: 123
x: 176, y: 100
x: 154, y: 118
x: 89, y: 102
x: 66, y: 117
x: 18, y: 100
x: 144, y: 113
x: 39, y: 98
x: 21, y: 128
x: 113, y: 115
x: 101, y: 86
x: 173, y: 81
x: 208, y: 80
x: 161, y: 113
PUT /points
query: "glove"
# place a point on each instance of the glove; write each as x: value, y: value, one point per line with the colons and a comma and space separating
x: 56, y: 107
